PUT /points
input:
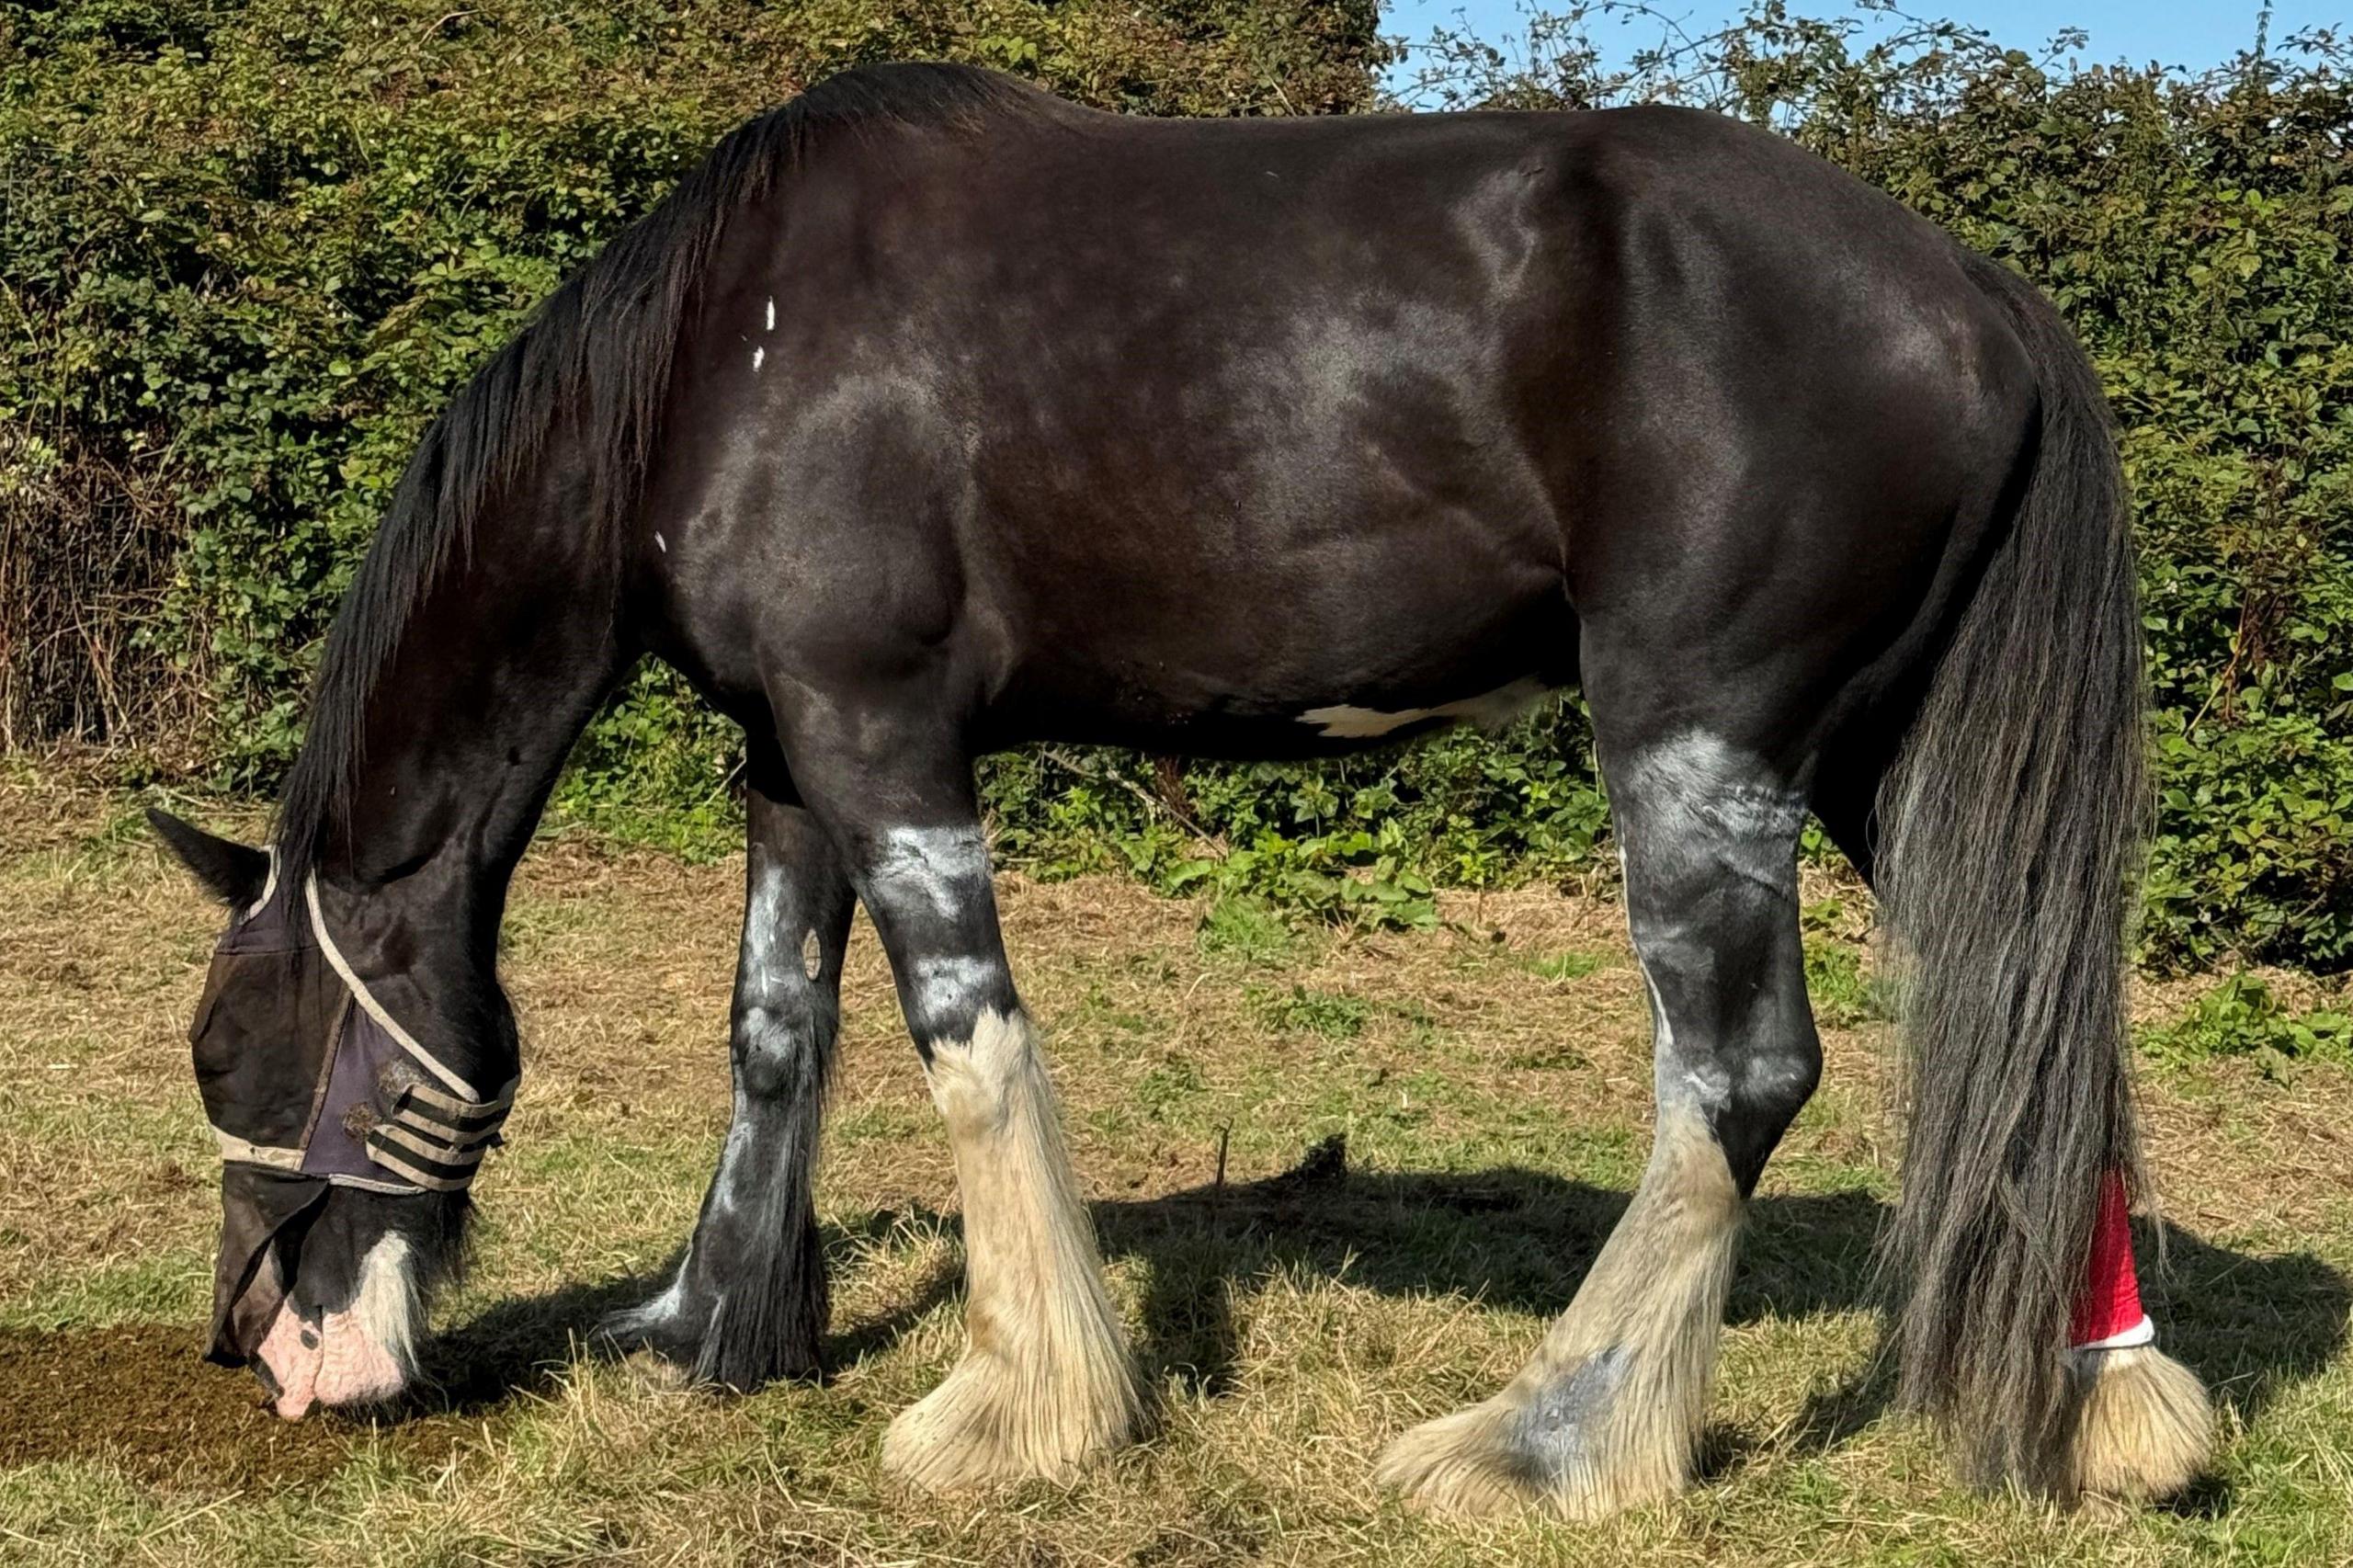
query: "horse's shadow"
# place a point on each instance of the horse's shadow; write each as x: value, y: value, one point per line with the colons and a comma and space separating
x: 2250, y: 1325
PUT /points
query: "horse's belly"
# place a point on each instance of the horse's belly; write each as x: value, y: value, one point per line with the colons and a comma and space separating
x: 1300, y: 674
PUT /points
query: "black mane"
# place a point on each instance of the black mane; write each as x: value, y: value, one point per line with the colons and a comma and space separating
x: 600, y: 346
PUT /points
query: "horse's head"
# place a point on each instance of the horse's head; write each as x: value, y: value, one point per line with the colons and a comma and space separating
x: 346, y: 1149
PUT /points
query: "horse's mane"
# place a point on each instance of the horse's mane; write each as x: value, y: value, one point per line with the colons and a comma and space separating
x: 600, y: 348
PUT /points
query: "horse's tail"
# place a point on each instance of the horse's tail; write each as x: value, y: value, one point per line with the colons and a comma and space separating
x: 2012, y: 827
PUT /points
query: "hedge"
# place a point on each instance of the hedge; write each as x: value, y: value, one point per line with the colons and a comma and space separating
x: 250, y: 248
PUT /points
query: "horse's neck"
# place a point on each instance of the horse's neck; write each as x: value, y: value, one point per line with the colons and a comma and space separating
x: 495, y: 673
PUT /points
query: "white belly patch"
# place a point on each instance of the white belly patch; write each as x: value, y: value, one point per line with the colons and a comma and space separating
x: 1489, y: 710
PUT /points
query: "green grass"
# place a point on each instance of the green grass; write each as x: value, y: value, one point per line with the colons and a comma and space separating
x: 1301, y: 1010
x: 2244, y: 1015
x: 1245, y: 930
x: 1842, y: 996
x: 1571, y: 965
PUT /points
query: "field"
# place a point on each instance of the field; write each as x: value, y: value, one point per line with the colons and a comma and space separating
x: 1343, y: 1179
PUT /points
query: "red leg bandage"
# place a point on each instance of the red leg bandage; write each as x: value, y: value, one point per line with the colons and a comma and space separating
x: 2108, y: 1312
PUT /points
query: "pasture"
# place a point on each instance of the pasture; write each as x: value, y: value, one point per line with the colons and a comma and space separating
x: 1342, y: 1179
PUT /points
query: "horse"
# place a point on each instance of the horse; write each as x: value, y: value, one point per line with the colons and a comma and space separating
x: 933, y: 415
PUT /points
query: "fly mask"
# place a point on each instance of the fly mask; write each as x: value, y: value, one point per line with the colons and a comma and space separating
x: 309, y: 1085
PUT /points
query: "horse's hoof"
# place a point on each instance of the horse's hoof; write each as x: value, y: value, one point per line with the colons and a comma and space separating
x: 985, y: 1424
x: 2146, y: 1431
x: 705, y: 1348
x: 1461, y: 1466
x: 653, y: 1331
x: 1580, y: 1445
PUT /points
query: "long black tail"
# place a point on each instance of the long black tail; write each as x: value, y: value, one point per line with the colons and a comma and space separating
x: 2012, y: 829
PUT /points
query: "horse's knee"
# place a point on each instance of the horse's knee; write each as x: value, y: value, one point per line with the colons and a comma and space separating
x: 780, y: 1049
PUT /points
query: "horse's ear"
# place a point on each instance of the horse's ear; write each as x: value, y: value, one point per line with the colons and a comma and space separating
x: 232, y: 872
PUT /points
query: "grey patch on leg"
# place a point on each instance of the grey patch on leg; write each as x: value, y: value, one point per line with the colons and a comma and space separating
x: 1557, y: 1423
x: 957, y: 984
x: 938, y: 868
x: 1709, y: 835
x: 1699, y: 793
x: 1607, y: 1414
x: 747, y: 1303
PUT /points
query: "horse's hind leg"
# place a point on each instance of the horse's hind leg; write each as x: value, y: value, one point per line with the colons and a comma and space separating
x: 1044, y: 1381
x: 748, y: 1303
x: 1608, y: 1413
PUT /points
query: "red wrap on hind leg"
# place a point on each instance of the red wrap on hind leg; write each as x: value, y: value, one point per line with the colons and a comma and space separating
x: 2143, y: 1428
x: 2108, y: 1313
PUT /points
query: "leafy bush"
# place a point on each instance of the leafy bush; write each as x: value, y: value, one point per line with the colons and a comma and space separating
x: 2243, y: 1017
x: 253, y: 245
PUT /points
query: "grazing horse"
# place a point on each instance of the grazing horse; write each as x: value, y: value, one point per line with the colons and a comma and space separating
x: 932, y: 414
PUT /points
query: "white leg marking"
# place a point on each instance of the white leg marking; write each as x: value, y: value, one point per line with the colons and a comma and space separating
x: 1607, y: 1412
x: 1044, y: 1381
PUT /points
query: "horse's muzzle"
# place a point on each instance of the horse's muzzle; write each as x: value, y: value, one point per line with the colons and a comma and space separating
x: 331, y: 1359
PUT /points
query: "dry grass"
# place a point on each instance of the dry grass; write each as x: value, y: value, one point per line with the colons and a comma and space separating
x: 1492, y: 1084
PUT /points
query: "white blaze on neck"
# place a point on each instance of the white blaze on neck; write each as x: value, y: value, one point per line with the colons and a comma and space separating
x: 1489, y: 710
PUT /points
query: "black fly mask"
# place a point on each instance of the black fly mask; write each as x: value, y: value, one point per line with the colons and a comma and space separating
x: 309, y: 1085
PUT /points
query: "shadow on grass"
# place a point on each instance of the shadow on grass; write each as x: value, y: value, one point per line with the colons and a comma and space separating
x: 2249, y: 1325
x: 523, y: 1345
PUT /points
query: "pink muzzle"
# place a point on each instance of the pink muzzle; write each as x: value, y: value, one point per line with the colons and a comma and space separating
x: 331, y: 1362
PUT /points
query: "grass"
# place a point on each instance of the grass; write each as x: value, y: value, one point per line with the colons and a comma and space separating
x: 1571, y: 965
x: 1423, y: 1138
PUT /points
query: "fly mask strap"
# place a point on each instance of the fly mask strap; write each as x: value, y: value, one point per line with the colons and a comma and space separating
x: 437, y: 1140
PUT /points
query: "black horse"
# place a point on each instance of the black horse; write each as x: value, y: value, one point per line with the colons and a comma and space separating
x: 932, y: 416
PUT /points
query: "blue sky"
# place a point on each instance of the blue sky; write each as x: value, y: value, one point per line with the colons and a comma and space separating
x: 2194, y: 33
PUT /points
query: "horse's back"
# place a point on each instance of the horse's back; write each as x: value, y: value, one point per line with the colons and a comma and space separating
x: 1173, y: 421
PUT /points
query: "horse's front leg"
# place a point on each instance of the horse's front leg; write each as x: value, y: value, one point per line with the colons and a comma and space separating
x: 1044, y: 1381
x: 1609, y: 1411
x: 748, y: 1302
